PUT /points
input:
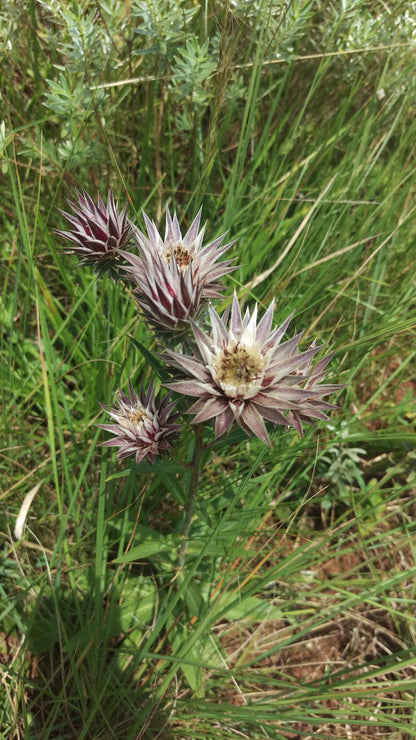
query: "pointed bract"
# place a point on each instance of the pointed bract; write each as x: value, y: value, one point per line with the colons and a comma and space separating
x: 173, y: 278
x: 243, y: 372
x: 99, y: 231
x: 144, y: 424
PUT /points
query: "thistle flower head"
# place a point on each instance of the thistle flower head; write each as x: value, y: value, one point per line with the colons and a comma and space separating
x: 175, y: 276
x: 144, y: 424
x: 243, y: 372
x: 99, y: 231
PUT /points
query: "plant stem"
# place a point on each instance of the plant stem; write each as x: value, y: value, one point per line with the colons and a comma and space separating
x: 193, y: 485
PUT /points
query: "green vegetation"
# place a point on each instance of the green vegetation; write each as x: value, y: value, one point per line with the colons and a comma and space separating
x: 293, y: 125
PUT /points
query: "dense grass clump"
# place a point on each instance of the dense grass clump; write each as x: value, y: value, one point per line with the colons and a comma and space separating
x: 292, y: 125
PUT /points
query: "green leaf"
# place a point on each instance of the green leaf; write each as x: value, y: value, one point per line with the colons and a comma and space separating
x: 190, y: 659
x: 194, y: 599
x: 153, y: 361
x: 249, y: 608
x: 151, y: 543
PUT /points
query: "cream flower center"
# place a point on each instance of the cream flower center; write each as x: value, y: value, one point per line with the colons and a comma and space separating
x: 238, y: 369
x: 182, y: 256
x: 134, y: 418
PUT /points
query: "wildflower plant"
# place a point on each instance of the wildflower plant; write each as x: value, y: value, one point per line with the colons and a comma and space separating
x: 143, y: 424
x: 174, y: 277
x: 244, y: 373
x: 228, y: 369
x: 99, y: 231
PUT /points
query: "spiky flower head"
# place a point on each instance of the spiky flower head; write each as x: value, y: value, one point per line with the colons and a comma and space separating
x: 243, y: 372
x: 99, y: 231
x: 174, y: 277
x: 144, y: 424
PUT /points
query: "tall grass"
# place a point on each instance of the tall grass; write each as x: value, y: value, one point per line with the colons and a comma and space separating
x: 293, y: 126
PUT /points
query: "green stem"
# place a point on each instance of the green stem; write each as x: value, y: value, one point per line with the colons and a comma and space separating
x: 193, y: 485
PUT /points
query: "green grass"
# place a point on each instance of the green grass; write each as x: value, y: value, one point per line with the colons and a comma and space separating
x: 295, y: 615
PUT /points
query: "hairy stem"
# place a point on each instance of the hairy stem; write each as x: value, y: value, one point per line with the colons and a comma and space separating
x: 193, y: 485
